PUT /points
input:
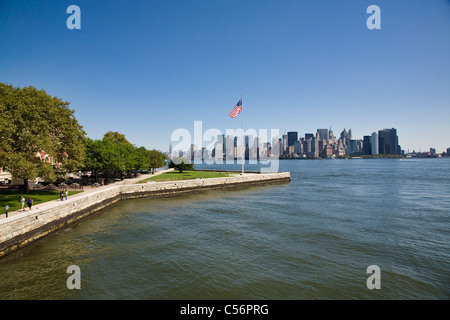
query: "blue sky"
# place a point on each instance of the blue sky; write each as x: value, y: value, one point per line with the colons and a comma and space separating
x: 146, y: 68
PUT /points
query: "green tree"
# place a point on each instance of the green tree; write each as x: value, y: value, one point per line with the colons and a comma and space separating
x: 115, y: 137
x: 33, y: 122
x: 114, y: 155
x: 156, y: 160
x: 181, y: 164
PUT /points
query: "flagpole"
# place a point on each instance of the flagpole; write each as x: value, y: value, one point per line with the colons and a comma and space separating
x: 242, y: 133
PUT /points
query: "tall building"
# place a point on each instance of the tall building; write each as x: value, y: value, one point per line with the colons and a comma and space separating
x: 375, y: 143
x: 285, y: 144
x: 229, y: 147
x: 367, y: 145
x: 298, y: 147
x: 292, y: 137
x: 388, y: 141
x: 344, y: 135
x: 331, y: 137
x: 352, y: 147
x: 323, y: 134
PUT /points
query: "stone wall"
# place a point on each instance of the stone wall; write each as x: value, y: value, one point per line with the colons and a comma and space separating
x: 21, y: 230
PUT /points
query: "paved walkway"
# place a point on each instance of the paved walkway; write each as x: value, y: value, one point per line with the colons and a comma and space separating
x: 86, y: 189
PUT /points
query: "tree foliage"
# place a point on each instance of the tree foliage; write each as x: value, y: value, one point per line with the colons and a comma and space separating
x: 33, y: 122
x: 113, y: 156
x: 156, y: 160
x: 181, y: 164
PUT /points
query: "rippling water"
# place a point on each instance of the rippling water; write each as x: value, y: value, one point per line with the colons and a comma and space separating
x: 312, y: 238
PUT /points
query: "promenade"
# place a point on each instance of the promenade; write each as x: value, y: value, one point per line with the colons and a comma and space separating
x: 86, y: 190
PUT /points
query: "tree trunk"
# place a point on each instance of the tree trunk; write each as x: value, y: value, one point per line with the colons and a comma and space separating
x: 26, y: 186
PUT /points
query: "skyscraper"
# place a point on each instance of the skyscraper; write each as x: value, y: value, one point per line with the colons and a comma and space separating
x: 367, y: 145
x: 292, y: 137
x: 374, y: 143
x: 323, y: 134
x: 388, y: 141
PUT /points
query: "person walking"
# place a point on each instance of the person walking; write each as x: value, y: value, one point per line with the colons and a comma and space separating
x: 30, y: 202
x: 6, y: 210
x: 66, y: 193
x: 22, y: 203
x: 61, y: 195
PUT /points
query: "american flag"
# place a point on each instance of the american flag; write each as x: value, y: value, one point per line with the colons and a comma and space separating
x: 236, y: 109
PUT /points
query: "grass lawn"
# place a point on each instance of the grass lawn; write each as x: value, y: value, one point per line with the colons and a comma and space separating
x: 12, y: 198
x: 187, y: 175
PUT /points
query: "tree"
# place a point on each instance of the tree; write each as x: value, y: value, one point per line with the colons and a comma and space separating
x: 115, y: 137
x: 114, y: 155
x: 40, y: 135
x: 181, y: 164
x: 156, y: 160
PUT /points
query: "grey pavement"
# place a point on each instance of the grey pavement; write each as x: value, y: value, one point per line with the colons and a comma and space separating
x: 86, y: 189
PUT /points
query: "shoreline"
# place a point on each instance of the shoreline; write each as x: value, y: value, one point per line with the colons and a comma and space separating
x: 25, y: 228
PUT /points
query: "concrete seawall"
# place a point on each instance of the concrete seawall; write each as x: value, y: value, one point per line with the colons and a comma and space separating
x: 23, y: 229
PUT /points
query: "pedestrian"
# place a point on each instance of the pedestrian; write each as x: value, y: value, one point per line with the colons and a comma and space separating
x: 66, y: 193
x: 61, y: 195
x: 30, y: 203
x: 22, y: 203
x: 6, y: 209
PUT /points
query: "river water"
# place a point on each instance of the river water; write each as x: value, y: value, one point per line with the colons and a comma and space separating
x: 312, y: 238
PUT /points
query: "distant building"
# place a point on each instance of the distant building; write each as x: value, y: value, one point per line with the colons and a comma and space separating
x: 285, y: 144
x: 298, y: 147
x: 353, y: 148
x: 448, y: 151
x: 291, y: 138
x: 323, y: 134
x: 388, y: 141
x: 375, y: 143
x: 367, y: 145
x: 432, y: 151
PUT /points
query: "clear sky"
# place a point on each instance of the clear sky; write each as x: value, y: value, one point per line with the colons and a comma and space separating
x: 146, y: 68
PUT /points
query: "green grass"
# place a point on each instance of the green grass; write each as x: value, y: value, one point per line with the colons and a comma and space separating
x: 12, y: 198
x: 186, y: 175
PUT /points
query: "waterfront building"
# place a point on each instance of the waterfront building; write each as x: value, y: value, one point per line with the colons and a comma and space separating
x: 230, y: 147
x: 374, y: 143
x: 298, y: 147
x: 323, y: 148
x: 448, y: 151
x: 312, y: 148
x: 280, y: 147
x: 388, y: 141
x: 352, y: 148
x: 329, y: 151
x: 285, y: 144
x: 292, y: 137
x: 350, y: 134
x: 367, y: 145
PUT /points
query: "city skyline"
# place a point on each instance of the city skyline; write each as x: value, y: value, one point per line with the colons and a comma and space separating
x: 146, y: 69
x: 323, y: 144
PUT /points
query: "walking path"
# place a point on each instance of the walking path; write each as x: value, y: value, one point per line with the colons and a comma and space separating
x: 86, y: 189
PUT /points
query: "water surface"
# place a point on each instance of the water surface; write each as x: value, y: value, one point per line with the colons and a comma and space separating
x: 312, y: 238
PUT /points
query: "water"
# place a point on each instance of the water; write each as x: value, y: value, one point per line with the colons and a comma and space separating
x: 312, y: 238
